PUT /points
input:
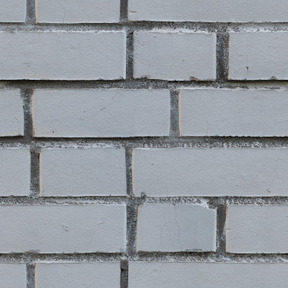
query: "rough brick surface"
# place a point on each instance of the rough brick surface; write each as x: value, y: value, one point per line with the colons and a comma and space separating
x: 11, y: 113
x: 80, y: 172
x: 174, y: 55
x: 13, y: 275
x: 208, y: 11
x: 210, y: 172
x: 233, y: 112
x: 257, y: 229
x: 101, y: 113
x: 13, y: 11
x: 207, y: 275
x: 258, y: 56
x: 63, y: 229
x: 166, y: 227
x: 14, y: 172
x: 65, y: 55
x: 78, y: 11
x: 84, y: 275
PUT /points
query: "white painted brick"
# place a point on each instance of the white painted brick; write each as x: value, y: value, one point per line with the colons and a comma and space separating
x: 258, y: 56
x: 207, y: 275
x: 84, y: 275
x: 208, y: 11
x: 233, y: 112
x: 14, y: 172
x: 13, y: 11
x: 11, y: 113
x: 78, y: 11
x: 80, y: 172
x: 257, y: 229
x: 210, y: 172
x: 171, y: 55
x: 13, y: 275
x: 101, y: 113
x: 63, y: 55
x: 63, y: 229
x: 174, y: 228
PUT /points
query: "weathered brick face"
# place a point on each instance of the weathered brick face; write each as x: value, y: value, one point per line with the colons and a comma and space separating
x: 143, y: 143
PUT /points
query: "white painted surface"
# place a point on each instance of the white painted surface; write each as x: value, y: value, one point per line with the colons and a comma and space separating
x: 176, y: 228
x: 210, y: 172
x: 207, y: 275
x: 258, y: 56
x: 233, y: 112
x: 75, y: 275
x: 13, y: 275
x: 83, y: 172
x: 257, y: 229
x: 171, y: 55
x: 209, y: 10
x: 11, y: 113
x: 13, y: 10
x: 78, y: 11
x: 101, y: 113
x: 63, y: 229
x: 14, y: 171
x: 63, y: 55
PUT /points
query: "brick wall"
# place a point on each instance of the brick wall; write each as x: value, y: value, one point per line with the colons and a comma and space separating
x: 143, y: 143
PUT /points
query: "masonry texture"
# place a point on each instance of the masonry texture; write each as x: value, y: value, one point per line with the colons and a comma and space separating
x: 143, y: 143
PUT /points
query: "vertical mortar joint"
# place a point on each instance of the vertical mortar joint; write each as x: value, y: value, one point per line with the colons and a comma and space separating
x: 174, y: 113
x: 31, y: 12
x: 222, y: 56
x: 30, y: 274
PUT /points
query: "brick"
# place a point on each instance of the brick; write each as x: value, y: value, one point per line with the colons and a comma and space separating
x: 13, y: 11
x: 233, y: 112
x: 78, y: 11
x: 101, y: 113
x: 257, y: 229
x: 171, y: 55
x: 13, y: 275
x: 207, y: 275
x: 11, y: 113
x: 208, y: 11
x: 62, y: 55
x: 80, y: 172
x: 176, y: 228
x: 258, y: 56
x: 75, y: 275
x: 14, y: 172
x: 210, y: 172
x: 63, y: 228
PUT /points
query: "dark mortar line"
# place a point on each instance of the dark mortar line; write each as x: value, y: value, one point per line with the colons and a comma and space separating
x: 123, y: 11
x: 222, y: 56
x: 30, y: 12
x: 142, y: 83
x: 33, y: 258
x: 35, y: 172
x: 133, y: 202
x: 129, y: 54
x: 174, y: 113
x: 210, y: 27
x: 132, y: 214
x: 148, y: 142
x: 124, y: 266
x: 129, y: 172
x: 26, y: 95
x: 30, y: 272
x: 221, y: 231
x: 166, y: 142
